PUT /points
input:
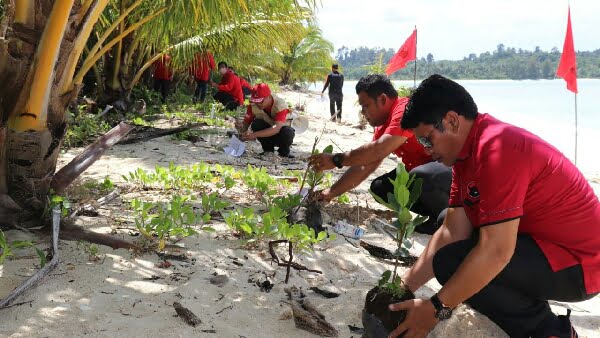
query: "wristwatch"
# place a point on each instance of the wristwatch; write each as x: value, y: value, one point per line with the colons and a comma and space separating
x: 337, y: 159
x: 442, y: 312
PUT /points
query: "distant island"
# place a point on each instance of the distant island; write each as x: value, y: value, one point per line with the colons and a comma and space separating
x: 503, y: 63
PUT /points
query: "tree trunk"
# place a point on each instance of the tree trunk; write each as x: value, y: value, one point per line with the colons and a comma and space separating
x: 28, y: 155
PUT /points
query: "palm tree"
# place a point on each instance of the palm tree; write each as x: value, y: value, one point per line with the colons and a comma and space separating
x: 41, y: 73
x: 306, y: 59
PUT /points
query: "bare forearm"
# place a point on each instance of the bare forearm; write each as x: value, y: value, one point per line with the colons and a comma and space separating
x: 371, y: 152
x: 352, y: 177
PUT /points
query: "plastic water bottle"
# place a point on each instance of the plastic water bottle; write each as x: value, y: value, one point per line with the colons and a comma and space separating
x: 343, y: 228
x: 212, y: 111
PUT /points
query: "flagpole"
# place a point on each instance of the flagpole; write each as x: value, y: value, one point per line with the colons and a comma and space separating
x: 416, y: 59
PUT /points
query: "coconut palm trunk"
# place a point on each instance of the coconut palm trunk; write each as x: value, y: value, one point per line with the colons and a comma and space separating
x: 44, y: 38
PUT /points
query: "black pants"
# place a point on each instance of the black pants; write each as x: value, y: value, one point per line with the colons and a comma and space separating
x: 517, y: 299
x: 434, y: 195
x: 163, y: 87
x: 200, y: 92
x: 246, y: 91
x: 283, y: 139
x: 335, y: 99
x: 227, y: 100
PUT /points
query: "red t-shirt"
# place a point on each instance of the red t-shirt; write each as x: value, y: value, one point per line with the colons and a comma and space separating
x: 245, y: 83
x: 230, y: 84
x: 203, y: 64
x: 161, y: 68
x: 279, y: 116
x: 411, y: 152
x: 505, y: 172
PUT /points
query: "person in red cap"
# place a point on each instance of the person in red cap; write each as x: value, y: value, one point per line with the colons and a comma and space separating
x: 229, y: 89
x: 200, y: 70
x: 163, y: 76
x: 267, y: 117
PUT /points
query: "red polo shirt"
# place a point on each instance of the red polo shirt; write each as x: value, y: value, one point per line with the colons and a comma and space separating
x: 411, y: 152
x: 162, y: 70
x: 203, y: 64
x: 505, y: 172
x: 230, y: 84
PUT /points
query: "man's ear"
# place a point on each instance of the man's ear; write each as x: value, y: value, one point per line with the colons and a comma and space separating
x: 452, y: 120
x: 383, y: 99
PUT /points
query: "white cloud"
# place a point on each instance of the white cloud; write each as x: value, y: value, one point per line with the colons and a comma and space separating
x: 451, y: 29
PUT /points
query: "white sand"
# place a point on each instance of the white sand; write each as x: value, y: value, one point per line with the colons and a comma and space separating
x: 128, y: 296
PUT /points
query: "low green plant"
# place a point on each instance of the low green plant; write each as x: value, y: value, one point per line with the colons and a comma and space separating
x: 59, y: 201
x: 314, y: 178
x: 7, y: 249
x: 287, y: 202
x: 343, y: 199
x: 164, y: 219
x: 101, y: 187
x: 407, y: 189
x: 84, y: 128
x: 91, y: 249
x: 261, y: 183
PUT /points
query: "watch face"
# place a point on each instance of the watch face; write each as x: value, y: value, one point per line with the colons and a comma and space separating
x: 444, y: 313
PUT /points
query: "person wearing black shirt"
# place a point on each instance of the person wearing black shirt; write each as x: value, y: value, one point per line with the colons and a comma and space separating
x: 335, y: 82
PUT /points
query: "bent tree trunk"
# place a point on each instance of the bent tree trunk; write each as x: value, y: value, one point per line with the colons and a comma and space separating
x: 41, y: 44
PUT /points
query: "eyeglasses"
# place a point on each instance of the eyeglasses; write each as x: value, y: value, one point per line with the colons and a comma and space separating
x: 425, y: 141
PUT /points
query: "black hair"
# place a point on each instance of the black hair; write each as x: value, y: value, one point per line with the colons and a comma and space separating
x: 435, y: 97
x: 222, y: 63
x: 375, y: 85
x: 334, y: 66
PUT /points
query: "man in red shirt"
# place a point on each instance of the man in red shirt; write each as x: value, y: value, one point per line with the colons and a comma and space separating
x: 246, y: 87
x: 523, y: 226
x: 200, y: 69
x: 229, y: 89
x: 267, y: 116
x: 163, y: 76
x: 383, y: 110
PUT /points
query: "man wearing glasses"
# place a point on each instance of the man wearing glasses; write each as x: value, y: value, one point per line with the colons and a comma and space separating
x: 383, y: 109
x: 523, y: 226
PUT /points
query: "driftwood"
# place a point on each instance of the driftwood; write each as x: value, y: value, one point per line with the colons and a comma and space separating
x: 65, y: 176
x: 324, y: 293
x: 72, y: 232
x: 88, y: 208
x: 288, y: 264
x: 145, y: 133
x: 306, y: 316
x: 188, y: 316
x: 43, y: 272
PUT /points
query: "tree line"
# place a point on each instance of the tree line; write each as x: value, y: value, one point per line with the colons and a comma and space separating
x: 502, y: 63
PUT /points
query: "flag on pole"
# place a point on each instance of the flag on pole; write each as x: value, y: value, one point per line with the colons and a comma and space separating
x: 567, y: 68
x: 406, y: 53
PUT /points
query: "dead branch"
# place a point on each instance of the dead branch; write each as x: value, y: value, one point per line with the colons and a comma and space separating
x: 288, y: 264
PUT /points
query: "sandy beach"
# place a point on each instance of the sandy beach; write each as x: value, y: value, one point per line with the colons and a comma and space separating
x: 127, y: 295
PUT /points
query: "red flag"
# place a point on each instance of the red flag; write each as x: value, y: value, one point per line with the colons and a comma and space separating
x: 407, y: 52
x: 567, y: 68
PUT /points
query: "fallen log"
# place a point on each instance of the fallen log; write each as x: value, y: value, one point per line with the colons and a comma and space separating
x: 145, y: 133
x: 307, y: 317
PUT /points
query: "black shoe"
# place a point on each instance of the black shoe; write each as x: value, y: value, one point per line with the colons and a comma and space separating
x: 287, y: 155
x: 556, y: 326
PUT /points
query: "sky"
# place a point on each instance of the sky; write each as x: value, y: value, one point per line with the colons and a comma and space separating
x: 452, y: 29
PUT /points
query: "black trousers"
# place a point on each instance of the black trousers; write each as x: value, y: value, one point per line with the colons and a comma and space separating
x: 162, y: 86
x: 434, y: 196
x: 200, y: 92
x: 227, y: 100
x: 283, y: 139
x: 335, y: 99
x: 517, y: 299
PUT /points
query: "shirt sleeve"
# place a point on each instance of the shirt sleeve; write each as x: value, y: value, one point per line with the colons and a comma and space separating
x: 504, y: 177
x: 249, y: 116
x: 282, y: 115
x: 226, y: 83
x: 211, y: 60
x: 394, y: 128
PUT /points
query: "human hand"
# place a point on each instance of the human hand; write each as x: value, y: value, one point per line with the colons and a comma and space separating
x: 322, y: 195
x: 321, y: 162
x: 239, y: 125
x: 248, y: 136
x: 212, y: 84
x: 420, y: 318
x: 321, y: 94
